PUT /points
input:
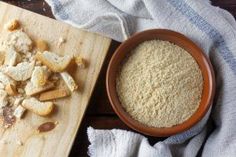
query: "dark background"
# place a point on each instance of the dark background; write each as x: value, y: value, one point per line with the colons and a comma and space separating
x: 99, y: 113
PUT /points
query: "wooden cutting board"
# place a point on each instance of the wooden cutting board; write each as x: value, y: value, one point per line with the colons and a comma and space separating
x: 70, y: 111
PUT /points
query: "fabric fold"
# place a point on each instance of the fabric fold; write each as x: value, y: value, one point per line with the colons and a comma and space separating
x: 211, y: 28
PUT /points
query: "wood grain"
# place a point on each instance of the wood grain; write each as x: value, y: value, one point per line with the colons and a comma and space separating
x: 70, y: 111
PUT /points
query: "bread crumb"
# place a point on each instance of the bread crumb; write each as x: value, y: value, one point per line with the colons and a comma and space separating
x: 11, y: 90
x: 4, y: 142
x: 80, y: 62
x: 159, y: 84
x: 38, y: 63
x: 19, y: 111
x: 19, y: 142
x: 2, y: 57
x: 21, y: 91
x: 41, y: 45
x: 18, y: 101
x: 12, y: 25
x: 61, y: 41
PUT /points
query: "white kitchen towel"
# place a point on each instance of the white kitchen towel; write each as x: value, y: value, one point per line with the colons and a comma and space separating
x: 211, y: 28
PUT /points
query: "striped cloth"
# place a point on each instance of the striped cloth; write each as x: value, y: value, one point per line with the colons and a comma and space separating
x: 211, y: 28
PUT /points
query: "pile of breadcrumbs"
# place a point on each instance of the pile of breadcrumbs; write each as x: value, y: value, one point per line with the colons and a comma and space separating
x: 159, y: 84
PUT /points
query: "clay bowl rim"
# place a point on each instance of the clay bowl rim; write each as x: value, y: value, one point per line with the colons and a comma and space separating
x: 180, y: 40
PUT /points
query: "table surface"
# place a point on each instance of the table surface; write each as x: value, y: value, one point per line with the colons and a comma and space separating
x: 99, y: 113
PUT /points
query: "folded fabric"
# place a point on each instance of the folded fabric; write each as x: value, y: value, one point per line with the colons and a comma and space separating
x: 211, y: 28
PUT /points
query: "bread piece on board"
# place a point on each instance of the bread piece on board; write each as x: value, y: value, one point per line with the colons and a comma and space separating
x: 3, y: 98
x: 11, y: 56
x: 2, y: 57
x: 21, y: 72
x: 19, y: 111
x: 20, y: 41
x: 39, y: 76
x: 11, y: 90
x: 30, y: 89
x: 5, y: 80
x: 54, y: 94
x: 12, y: 25
x: 37, y: 107
x: 53, y: 61
x: 70, y: 82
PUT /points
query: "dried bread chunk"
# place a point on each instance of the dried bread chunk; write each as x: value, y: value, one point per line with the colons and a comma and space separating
x: 54, y: 94
x: 20, y: 40
x: 2, y: 57
x: 39, y: 76
x: 30, y: 89
x: 19, y: 111
x: 70, y: 82
x: 12, y: 25
x: 11, y: 90
x: 21, y: 72
x: 5, y: 80
x: 80, y: 62
x: 53, y: 61
x: 18, y: 100
x: 11, y: 56
x: 37, y: 107
x: 3, y: 98
x: 41, y: 45
x: 2, y: 86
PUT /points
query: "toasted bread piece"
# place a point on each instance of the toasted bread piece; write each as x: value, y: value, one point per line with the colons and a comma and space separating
x: 19, y: 111
x: 2, y: 86
x: 11, y: 90
x: 37, y: 107
x: 53, y: 61
x: 2, y: 57
x: 4, y: 79
x: 12, y: 25
x: 81, y: 63
x: 3, y: 98
x: 41, y: 45
x: 70, y: 82
x: 30, y: 89
x: 11, y: 56
x: 18, y: 100
x: 20, y: 40
x: 39, y: 76
x: 54, y: 94
x: 21, y: 72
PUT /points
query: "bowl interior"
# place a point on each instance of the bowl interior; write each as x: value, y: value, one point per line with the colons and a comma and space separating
x: 189, y: 46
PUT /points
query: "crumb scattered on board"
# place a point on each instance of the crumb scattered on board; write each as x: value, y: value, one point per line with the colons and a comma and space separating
x: 24, y: 78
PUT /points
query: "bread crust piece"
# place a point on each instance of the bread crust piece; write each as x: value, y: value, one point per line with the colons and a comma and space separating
x: 30, y: 89
x: 81, y: 63
x: 41, y: 45
x: 11, y: 90
x: 19, y: 111
x: 39, y: 76
x: 38, y: 107
x: 21, y: 72
x: 12, y: 25
x: 5, y: 80
x: 54, y: 94
x: 3, y: 98
x: 70, y: 82
x: 2, y: 57
x: 20, y: 41
x: 11, y: 56
x: 53, y: 61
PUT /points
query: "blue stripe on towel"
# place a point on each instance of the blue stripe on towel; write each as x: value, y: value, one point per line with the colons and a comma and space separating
x: 204, y: 26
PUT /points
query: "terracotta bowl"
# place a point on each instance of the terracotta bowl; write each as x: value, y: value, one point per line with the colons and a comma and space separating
x: 189, y: 46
